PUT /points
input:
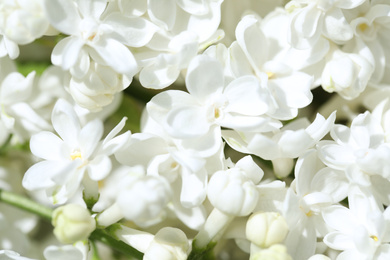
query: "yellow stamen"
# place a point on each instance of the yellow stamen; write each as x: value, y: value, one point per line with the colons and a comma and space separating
x: 363, y: 27
x: 309, y: 214
x: 270, y: 74
x: 375, y: 238
x: 216, y: 113
x: 173, y: 165
x: 75, y: 154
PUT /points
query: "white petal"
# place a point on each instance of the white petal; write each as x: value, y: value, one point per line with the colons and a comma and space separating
x: 131, y: 31
x: 301, y: 240
x: 320, y: 127
x: 340, y: 218
x: 116, y: 143
x: 252, y: 41
x: 92, y: 8
x: 338, y: 241
x: 141, y: 149
x: 245, y: 123
x: 193, y: 190
x: 89, y: 137
x: 193, y: 6
x: 304, y: 34
x: 63, y: 15
x: 193, y: 218
x: 206, y: 145
x: 187, y: 121
x: 205, y: 25
x: 336, y: 156
x: 99, y: 168
x: 293, y: 90
x: 238, y: 61
x: 41, y: 175
x: 162, y: 13
x: 66, y: 52
x: 336, y: 26
x: 246, y: 97
x: 160, y: 105
x: 47, y: 145
x: 251, y: 169
x: 66, y: 122
x: 115, y: 131
x: 16, y: 88
x: 331, y: 182
x: 158, y: 76
x: 117, y: 56
x: 204, y: 77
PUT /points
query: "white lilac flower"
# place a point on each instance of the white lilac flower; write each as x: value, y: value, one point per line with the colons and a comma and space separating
x: 360, y: 231
x: 68, y: 156
x: 104, y: 37
x: 98, y: 87
x: 254, y: 54
x: 370, y: 26
x: 21, y: 23
x: 315, y: 187
x: 185, y: 28
x: 16, y: 115
x: 280, y: 146
x: 362, y: 152
x: 312, y: 19
x: 346, y: 73
x: 197, y: 117
x: 234, y: 191
x: 144, y: 200
x: 310, y: 60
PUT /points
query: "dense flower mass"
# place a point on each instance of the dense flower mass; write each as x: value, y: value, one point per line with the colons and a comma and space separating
x: 195, y: 129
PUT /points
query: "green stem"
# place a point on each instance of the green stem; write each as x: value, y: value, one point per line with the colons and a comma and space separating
x: 102, y: 236
x: 26, y: 204
x: 46, y: 213
x: 95, y: 252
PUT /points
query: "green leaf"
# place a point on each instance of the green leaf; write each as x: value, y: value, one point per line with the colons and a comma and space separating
x: 28, y: 66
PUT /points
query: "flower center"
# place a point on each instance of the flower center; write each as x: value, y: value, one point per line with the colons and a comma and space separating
x: 363, y: 27
x: 89, y: 29
x: 75, y: 154
x: 375, y: 238
x: 270, y: 74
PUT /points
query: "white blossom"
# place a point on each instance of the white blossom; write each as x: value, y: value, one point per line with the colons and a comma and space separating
x: 76, y: 150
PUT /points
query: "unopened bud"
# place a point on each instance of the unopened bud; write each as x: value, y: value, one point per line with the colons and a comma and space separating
x: 275, y: 252
x: 72, y: 223
x: 266, y: 229
x: 168, y: 244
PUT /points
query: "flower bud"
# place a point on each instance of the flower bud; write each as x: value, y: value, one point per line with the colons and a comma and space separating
x: 266, y: 229
x: 72, y: 223
x: 275, y: 252
x: 168, y: 244
x: 319, y: 257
